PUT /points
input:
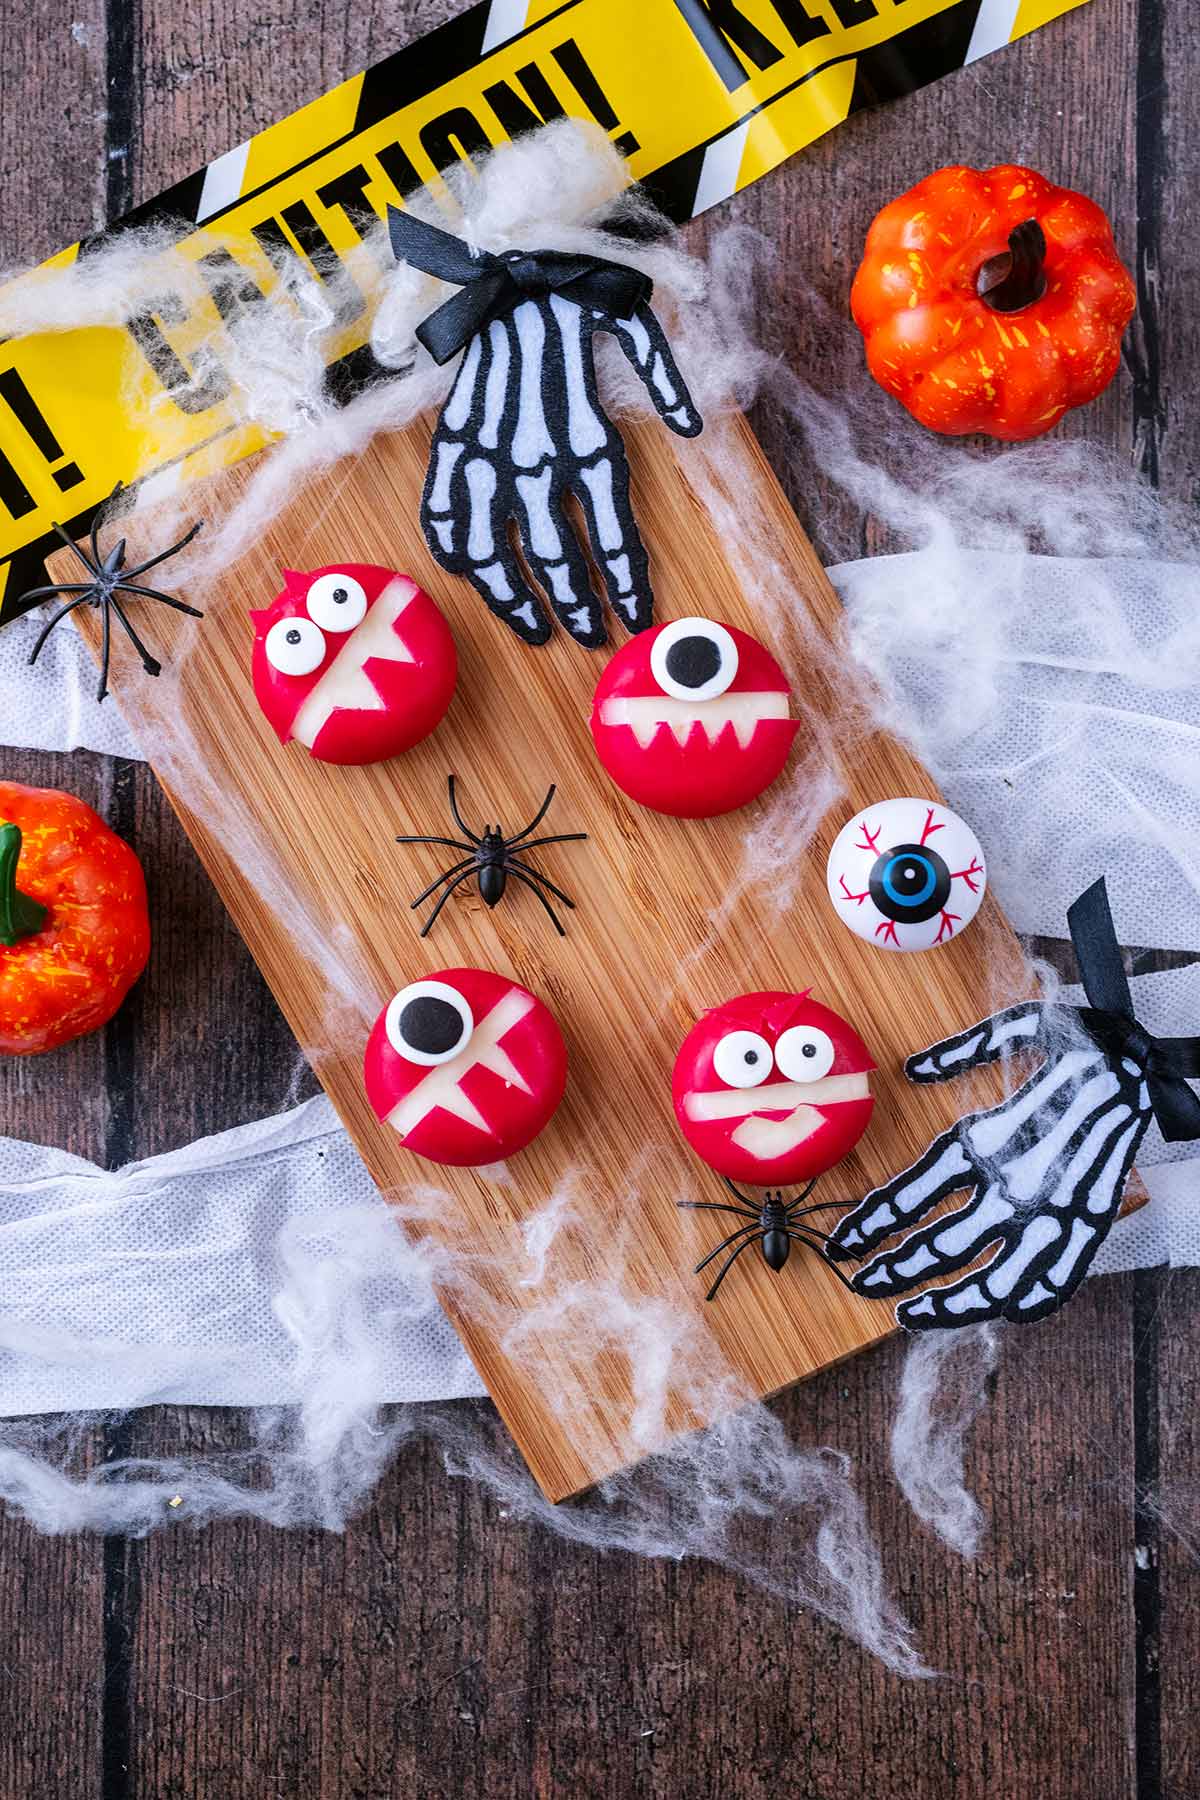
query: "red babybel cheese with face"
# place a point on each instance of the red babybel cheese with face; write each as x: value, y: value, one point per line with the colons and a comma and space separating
x: 465, y: 1066
x: 693, y: 718
x: 354, y: 661
x: 772, y: 1089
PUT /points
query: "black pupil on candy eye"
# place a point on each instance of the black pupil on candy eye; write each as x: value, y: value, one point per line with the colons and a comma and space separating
x: 808, y: 1050
x: 910, y: 884
x: 693, y: 661
x: 751, y: 1057
x: 431, y: 1025
x: 292, y: 636
x: 340, y: 596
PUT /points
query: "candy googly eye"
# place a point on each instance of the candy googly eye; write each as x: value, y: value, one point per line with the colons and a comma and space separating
x: 295, y: 646
x: 336, y: 602
x: 804, y: 1054
x: 428, y: 1022
x: 743, y: 1059
x: 694, y: 659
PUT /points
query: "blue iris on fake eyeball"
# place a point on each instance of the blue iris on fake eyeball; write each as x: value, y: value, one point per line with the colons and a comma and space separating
x: 910, y: 883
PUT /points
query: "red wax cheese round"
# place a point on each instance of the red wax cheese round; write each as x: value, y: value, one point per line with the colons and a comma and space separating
x: 465, y: 1066
x: 693, y: 718
x: 772, y: 1089
x: 354, y: 661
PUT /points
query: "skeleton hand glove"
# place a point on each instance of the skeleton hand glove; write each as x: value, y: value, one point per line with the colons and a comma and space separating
x: 523, y: 428
x: 1046, y: 1169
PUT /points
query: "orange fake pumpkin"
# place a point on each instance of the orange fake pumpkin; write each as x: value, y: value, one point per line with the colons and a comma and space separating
x: 992, y: 301
x: 74, y: 932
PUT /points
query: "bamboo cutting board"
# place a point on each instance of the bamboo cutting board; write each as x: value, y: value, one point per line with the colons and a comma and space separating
x: 304, y: 856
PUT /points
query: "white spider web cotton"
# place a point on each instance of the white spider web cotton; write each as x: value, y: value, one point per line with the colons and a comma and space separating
x: 706, y: 1494
x: 703, y: 1495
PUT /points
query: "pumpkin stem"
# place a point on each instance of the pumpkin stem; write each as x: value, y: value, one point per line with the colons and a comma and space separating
x: 19, y: 915
x: 1017, y: 277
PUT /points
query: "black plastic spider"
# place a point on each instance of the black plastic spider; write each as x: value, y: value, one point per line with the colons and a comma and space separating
x: 491, y: 858
x: 106, y: 575
x: 773, y: 1224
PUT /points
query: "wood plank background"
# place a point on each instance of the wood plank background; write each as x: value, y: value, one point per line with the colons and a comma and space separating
x: 440, y: 1648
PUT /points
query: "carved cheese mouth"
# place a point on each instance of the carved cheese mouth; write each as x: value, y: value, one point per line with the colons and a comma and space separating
x: 441, y: 1087
x: 799, y: 1101
x: 647, y: 714
x: 345, y: 682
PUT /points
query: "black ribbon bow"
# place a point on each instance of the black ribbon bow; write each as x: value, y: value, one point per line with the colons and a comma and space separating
x: 1169, y: 1063
x: 492, y: 285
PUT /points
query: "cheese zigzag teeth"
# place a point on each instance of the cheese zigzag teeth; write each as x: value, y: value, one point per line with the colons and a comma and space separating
x: 648, y: 714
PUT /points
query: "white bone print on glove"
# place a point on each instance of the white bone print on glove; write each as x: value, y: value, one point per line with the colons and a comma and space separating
x: 523, y: 427
x: 1045, y: 1172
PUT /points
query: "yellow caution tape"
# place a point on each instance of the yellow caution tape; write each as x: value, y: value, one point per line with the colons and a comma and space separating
x: 702, y: 96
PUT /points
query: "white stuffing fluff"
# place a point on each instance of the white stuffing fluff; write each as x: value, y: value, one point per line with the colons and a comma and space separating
x: 942, y: 1389
x: 704, y: 1494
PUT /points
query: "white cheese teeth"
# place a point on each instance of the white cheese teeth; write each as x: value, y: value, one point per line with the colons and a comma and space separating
x: 647, y: 714
x: 345, y: 683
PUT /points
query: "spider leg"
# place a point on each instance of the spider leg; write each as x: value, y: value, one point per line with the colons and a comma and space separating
x: 105, y: 648
x: 711, y: 1294
x: 715, y: 1206
x: 515, y: 870
x: 750, y: 1232
x: 515, y: 866
x: 151, y: 562
x: 92, y: 569
x: 537, y: 818
x: 564, y: 837
x: 131, y: 587
x: 450, y: 843
x: 738, y: 1194
x: 795, y: 1210
x: 151, y: 664
x: 817, y: 1245
x: 101, y: 513
x: 60, y: 614
x: 428, y: 925
x: 59, y: 587
x: 456, y: 815
x: 424, y: 895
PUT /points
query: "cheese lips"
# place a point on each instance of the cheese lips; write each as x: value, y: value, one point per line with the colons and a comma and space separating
x: 465, y: 1066
x: 354, y: 661
x: 693, y: 718
x: 772, y: 1089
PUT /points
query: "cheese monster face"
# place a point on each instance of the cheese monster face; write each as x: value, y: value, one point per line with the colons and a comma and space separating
x: 693, y: 719
x: 465, y: 1066
x: 354, y: 661
x: 772, y: 1089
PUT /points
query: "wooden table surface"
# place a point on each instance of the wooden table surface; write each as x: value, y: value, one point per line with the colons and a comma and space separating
x: 440, y: 1648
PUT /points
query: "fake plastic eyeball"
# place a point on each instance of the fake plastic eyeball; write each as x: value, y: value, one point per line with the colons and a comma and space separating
x: 906, y: 874
x: 465, y: 1066
x: 772, y: 1089
x: 692, y: 719
x: 354, y: 661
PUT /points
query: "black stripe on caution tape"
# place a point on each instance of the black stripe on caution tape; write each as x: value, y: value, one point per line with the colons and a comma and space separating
x: 922, y: 54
